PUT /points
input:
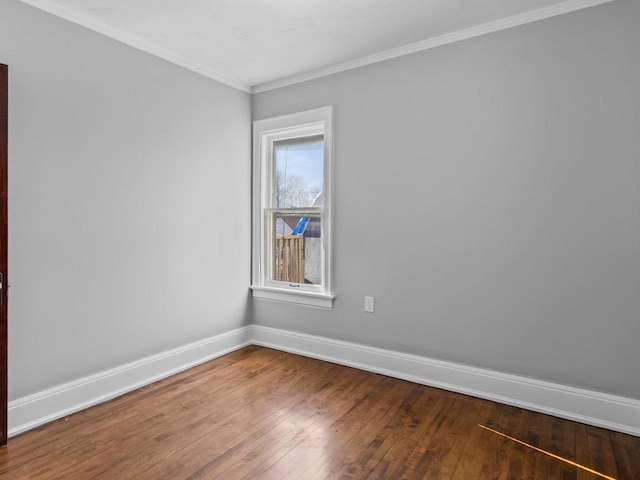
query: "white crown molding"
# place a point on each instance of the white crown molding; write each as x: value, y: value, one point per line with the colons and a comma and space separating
x: 577, y: 404
x: 133, y: 41
x: 39, y: 408
x: 489, y: 27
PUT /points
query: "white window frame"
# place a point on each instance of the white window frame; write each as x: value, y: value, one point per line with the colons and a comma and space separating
x: 265, y: 133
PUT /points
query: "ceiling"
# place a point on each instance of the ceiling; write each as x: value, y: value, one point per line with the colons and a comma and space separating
x: 256, y: 45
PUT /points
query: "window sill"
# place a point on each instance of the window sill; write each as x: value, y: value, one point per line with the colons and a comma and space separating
x: 309, y: 299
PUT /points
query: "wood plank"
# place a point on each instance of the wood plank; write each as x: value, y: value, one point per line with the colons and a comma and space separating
x: 262, y: 414
x: 627, y: 455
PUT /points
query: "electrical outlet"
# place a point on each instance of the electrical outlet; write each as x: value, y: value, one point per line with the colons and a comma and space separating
x: 368, y: 304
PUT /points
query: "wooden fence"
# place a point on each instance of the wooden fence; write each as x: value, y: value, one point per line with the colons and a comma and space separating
x: 289, y: 259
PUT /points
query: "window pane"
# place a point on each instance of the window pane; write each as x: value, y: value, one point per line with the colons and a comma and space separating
x: 298, y: 172
x: 297, y: 247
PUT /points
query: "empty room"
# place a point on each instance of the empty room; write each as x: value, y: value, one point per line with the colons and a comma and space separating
x: 302, y: 239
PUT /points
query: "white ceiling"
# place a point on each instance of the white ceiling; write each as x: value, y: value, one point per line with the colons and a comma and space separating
x: 255, y: 45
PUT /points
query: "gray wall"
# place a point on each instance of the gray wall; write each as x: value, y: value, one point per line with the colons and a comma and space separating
x: 488, y: 196
x: 129, y: 202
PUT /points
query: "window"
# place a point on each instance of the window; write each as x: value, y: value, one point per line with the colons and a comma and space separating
x: 292, y: 192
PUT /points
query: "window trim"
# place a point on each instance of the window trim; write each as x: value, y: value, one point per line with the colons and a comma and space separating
x: 265, y: 133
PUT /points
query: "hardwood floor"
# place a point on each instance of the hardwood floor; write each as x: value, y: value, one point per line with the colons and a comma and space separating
x: 262, y: 414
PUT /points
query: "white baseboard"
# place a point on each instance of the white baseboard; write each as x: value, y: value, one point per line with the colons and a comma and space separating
x: 57, y: 402
x: 593, y: 408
